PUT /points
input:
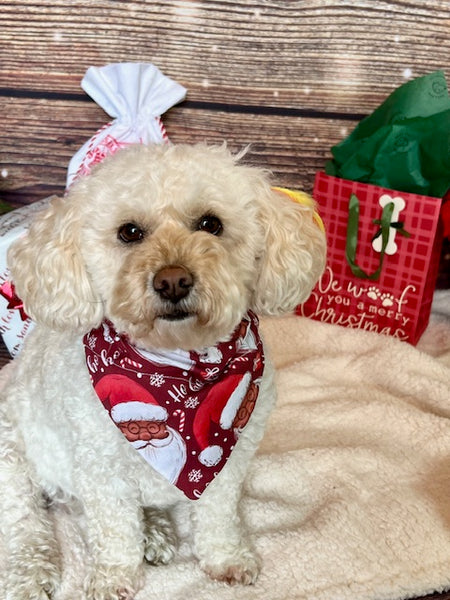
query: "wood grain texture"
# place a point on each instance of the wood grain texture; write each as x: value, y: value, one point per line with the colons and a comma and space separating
x: 305, y: 65
x: 317, y: 54
x: 37, y: 146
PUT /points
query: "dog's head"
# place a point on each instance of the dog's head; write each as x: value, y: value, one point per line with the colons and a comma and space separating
x: 173, y: 244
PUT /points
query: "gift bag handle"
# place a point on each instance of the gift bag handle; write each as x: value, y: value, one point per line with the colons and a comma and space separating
x: 352, y: 237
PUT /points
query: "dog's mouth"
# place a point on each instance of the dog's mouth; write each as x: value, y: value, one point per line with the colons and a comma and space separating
x: 175, y: 315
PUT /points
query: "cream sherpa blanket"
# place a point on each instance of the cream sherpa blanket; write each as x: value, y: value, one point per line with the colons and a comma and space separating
x: 349, y: 495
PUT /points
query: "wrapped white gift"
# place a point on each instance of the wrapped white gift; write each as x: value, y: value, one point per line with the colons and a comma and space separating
x: 14, y: 324
x: 135, y: 95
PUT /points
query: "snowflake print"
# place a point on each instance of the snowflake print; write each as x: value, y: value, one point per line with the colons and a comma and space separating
x: 191, y: 402
x: 195, y: 475
x: 92, y: 341
x: 157, y: 379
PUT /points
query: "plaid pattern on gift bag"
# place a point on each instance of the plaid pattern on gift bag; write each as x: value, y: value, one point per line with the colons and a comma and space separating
x: 397, y: 299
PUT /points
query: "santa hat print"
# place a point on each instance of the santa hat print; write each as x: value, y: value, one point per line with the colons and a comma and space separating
x: 220, y: 406
x: 128, y: 401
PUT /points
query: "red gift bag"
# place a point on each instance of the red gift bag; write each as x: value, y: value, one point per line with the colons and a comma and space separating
x: 383, y: 258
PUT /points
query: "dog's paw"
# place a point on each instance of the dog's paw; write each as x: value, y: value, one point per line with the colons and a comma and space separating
x: 104, y: 591
x: 109, y: 583
x: 160, y: 538
x: 242, y: 568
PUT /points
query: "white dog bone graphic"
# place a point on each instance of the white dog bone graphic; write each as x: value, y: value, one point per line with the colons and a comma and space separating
x: 399, y: 205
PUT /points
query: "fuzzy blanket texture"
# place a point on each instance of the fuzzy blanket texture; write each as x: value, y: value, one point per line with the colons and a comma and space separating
x: 349, y: 495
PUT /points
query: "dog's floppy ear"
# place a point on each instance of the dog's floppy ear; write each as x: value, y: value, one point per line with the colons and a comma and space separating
x: 49, y: 274
x: 294, y: 253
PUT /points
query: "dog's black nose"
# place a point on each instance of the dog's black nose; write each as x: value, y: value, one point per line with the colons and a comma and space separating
x: 173, y: 283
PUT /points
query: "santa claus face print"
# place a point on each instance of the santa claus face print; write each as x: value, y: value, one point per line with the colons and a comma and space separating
x: 143, y: 431
x: 166, y: 455
x: 161, y: 446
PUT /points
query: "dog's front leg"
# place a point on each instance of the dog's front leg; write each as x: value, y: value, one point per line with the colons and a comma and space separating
x: 33, y: 569
x: 221, y: 544
x: 114, y: 532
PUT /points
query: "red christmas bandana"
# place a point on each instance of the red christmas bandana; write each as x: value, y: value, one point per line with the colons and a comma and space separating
x: 182, y: 411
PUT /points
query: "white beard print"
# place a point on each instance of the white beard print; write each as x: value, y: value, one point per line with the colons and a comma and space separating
x: 167, y: 456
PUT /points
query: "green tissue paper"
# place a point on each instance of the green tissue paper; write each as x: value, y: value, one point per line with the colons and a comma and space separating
x: 404, y: 144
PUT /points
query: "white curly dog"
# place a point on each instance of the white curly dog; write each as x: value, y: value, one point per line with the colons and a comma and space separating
x: 165, y: 248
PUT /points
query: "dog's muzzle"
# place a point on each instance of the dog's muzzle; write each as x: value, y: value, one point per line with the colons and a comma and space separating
x: 173, y: 284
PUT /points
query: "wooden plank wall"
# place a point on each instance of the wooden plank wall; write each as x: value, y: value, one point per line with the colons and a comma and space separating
x: 290, y: 77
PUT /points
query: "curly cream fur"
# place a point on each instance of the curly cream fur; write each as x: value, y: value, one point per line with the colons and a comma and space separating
x: 72, y: 271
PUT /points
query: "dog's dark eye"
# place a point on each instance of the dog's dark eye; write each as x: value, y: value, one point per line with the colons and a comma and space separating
x: 129, y: 233
x: 210, y: 224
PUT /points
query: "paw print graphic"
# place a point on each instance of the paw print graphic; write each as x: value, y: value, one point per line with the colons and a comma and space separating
x: 373, y: 292
x: 387, y: 299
